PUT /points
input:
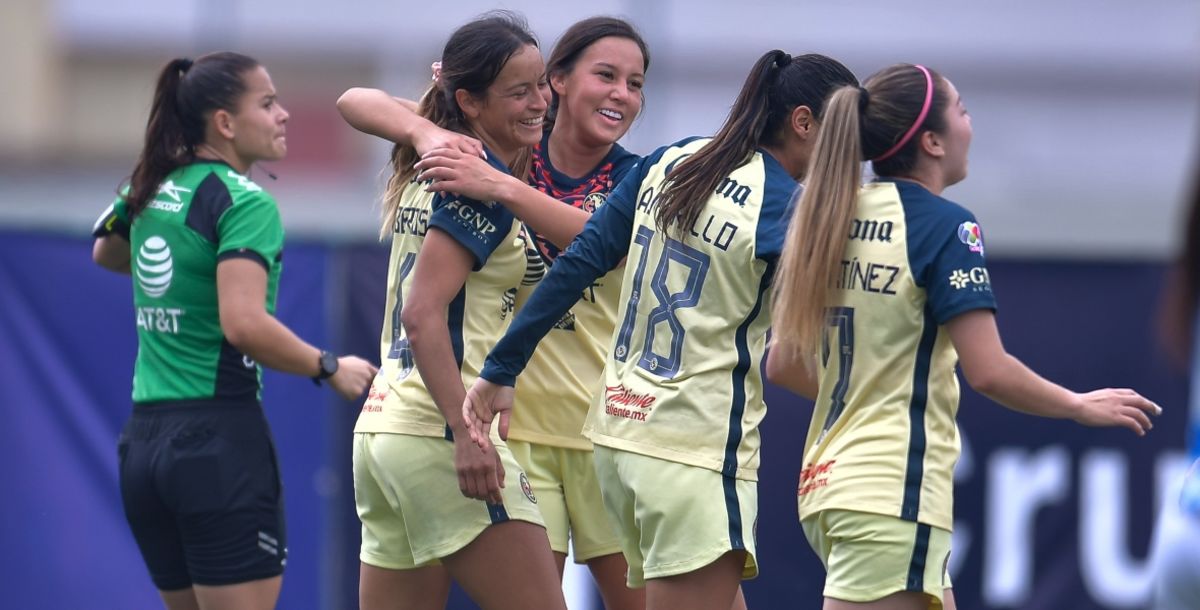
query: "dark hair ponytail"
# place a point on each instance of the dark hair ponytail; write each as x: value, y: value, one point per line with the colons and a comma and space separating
x: 184, y: 96
x: 778, y: 83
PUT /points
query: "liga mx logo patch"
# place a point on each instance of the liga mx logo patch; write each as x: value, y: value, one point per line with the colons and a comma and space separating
x: 527, y: 488
x: 969, y: 233
x: 154, y: 267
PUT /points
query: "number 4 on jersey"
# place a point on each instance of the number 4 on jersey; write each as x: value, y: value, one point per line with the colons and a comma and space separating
x: 401, y: 350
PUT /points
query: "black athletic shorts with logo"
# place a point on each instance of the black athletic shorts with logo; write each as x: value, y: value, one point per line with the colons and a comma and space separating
x: 202, y: 494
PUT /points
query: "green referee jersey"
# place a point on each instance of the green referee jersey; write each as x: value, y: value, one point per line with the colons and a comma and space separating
x: 203, y: 213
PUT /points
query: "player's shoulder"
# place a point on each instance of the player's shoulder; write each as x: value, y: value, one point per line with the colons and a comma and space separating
x: 676, y: 150
x: 219, y: 184
x: 925, y: 212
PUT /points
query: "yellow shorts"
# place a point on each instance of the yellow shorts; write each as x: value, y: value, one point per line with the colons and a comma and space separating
x: 672, y: 518
x: 869, y: 556
x: 412, y: 512
x: 568, y: 495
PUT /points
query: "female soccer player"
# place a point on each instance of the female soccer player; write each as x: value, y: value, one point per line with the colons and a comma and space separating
x: 596, y: 72
x: 878, y: 289
x: 198, y: 474
x: 675, y: 425
x: 455, y: 267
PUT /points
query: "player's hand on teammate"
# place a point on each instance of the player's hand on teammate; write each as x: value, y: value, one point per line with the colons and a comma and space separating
x: 480, y: 473
x: 434, y: 138
x: 353, y: 377
x: 1117, y: 407
x: 484, y: 402
x: 457, y: 172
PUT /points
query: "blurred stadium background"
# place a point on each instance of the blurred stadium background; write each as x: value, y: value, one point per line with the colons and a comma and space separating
x: 1085, y: 117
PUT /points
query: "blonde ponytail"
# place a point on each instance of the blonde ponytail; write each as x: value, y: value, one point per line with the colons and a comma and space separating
x: 816, y: 237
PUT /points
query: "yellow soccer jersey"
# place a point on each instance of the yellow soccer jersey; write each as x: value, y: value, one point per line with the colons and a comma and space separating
x: 478, y: 315
x: 556, y: 388
x: 883, y: 437
x: 682, y: 380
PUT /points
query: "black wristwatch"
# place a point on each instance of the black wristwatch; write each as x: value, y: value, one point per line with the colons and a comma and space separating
x: 328, y: 364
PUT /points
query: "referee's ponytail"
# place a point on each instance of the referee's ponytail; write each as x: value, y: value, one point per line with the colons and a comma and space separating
x: 186, y: 93
x: 777, y: 84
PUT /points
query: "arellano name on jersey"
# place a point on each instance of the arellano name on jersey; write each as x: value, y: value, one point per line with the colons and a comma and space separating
x: 710, y: 229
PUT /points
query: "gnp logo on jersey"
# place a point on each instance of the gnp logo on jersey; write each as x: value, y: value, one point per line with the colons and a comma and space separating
x: 154, y: 267
x: 471, y: 219
x: 969, y: 233
x: 527, y: 488
x: 976, y: 277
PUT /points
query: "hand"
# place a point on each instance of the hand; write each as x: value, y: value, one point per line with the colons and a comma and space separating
x: 1117, y: 407
x: 431, y: 137
x: 480, y: 473
x: 353, y: 376
x: 456, y: 172
x: 483, y: 402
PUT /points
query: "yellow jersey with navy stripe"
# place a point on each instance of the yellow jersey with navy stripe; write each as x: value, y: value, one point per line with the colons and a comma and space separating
x: 682, y: 379
x: 477, y: 315
x: 883, y: 437
x: 556, y: 388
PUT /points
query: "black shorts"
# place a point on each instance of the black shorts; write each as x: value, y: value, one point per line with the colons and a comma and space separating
x: 202, y: 493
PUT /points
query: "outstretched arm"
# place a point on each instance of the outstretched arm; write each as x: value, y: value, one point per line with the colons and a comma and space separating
x: 601, y: 246
x: 993, y: 372
x: 374, y: 112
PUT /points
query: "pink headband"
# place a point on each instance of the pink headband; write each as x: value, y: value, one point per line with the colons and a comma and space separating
x: 920, y: 117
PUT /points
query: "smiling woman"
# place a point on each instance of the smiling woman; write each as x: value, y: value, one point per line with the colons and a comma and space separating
x: 198, y: 474
x: 452, y: 279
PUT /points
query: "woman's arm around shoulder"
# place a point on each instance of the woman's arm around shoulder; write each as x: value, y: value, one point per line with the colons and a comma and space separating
x: 374, y: 112
x: 452, y: 171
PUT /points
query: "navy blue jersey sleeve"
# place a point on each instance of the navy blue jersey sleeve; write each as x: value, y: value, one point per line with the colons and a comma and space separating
x: 478, y: 227
x: 776, y: 212
x: 955, y: 275
x: 598, y: 249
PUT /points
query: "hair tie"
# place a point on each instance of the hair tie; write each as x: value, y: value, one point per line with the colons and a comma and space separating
x: 436, y: 67
x: 864, y: 98
x: 920, y: 117
x: 782, y: 59
x: 184, y: 64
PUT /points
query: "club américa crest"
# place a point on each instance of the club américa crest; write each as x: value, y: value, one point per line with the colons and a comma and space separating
x: 527, y: 488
